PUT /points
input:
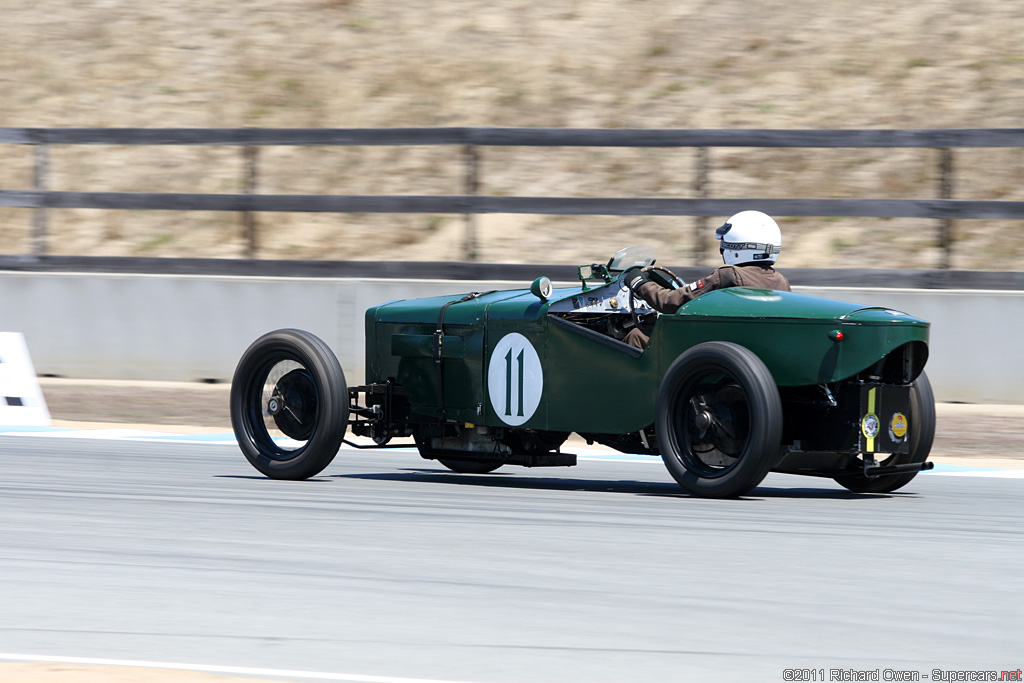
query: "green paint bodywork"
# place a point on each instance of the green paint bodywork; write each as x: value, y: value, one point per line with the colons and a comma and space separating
x: 596, y: 387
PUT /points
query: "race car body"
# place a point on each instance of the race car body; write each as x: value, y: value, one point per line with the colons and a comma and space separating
x: 736, y: 383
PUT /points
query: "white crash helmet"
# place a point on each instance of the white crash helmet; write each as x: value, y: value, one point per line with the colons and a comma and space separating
x: 749, y: 237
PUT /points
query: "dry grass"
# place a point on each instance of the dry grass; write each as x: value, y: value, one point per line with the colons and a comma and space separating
x: 569, y: 63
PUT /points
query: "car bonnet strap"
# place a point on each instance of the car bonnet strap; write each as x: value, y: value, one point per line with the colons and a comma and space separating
x: 438, y: 340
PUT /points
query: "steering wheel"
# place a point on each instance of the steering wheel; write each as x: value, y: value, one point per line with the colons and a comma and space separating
x: 664, y: 277
x: 669, y: 278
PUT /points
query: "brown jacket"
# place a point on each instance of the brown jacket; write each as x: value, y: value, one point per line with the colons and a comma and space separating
x: 759, y: 276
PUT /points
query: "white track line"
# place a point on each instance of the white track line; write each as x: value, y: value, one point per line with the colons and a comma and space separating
x: 208, y: 668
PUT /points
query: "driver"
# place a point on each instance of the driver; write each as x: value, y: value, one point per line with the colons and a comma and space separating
x: 750, y: 243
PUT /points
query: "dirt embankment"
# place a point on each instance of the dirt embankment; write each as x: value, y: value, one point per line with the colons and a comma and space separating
x: 571, y: 63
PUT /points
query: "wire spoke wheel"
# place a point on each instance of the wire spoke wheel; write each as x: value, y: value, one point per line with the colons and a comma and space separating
x: 289, y: 404
x: 719, y: 420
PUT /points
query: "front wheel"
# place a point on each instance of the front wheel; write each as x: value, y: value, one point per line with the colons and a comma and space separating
x: 922, y: 434
x: 718, y: 420
x: 289, y: 404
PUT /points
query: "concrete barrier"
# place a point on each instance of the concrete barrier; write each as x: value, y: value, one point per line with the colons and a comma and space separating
x: 189, y: 328
x: 195, y: 327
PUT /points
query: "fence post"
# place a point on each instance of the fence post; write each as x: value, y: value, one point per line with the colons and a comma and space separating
x: 472, y: 185
x: 946, y: 192
x: 41, y: 183
x: 249, y: 155
x: 700, y: 190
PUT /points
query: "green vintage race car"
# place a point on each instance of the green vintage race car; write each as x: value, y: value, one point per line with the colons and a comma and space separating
x: 738, y: 383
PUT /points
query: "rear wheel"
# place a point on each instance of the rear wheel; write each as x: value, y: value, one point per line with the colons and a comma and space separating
x: 718, y: 420
x: 289, y: 404
x: 922, y: 434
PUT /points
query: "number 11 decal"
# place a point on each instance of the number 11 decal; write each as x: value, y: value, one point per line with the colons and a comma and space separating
x: 508, y: 383
x: 515, y: 380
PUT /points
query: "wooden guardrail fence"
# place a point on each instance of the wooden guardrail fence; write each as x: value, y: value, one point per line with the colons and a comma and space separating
x: 944, y: 208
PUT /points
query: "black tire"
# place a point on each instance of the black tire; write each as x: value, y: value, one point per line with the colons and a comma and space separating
x: 718, y: 420
x: 469, y: 466
x: 922, y: 413
x: 289, y: 404
x: 454, y: 464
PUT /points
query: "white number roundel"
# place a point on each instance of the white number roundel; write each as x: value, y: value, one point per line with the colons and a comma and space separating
x: 515, y: 380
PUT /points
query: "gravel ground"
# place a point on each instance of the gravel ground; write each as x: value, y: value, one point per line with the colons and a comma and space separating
x: 79, y: 673
x: 138, y: 402
x: 963, y: 431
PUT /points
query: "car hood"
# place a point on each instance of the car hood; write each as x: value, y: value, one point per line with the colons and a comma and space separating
x: 460, y: 310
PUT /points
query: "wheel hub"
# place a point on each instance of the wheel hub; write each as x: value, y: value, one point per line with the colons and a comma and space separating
x: 274, y: 405
x: 703, y: 421
x: 293, y: 405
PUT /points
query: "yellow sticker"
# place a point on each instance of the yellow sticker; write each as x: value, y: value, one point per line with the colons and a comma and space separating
x: 898, y: 425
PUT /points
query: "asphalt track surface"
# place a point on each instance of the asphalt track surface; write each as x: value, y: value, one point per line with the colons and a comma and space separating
x: 388, y: 565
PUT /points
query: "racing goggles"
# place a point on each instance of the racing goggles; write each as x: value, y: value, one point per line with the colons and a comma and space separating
x: 752, y: 246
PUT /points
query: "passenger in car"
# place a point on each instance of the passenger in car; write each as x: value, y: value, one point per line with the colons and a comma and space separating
x: 750, y: 243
